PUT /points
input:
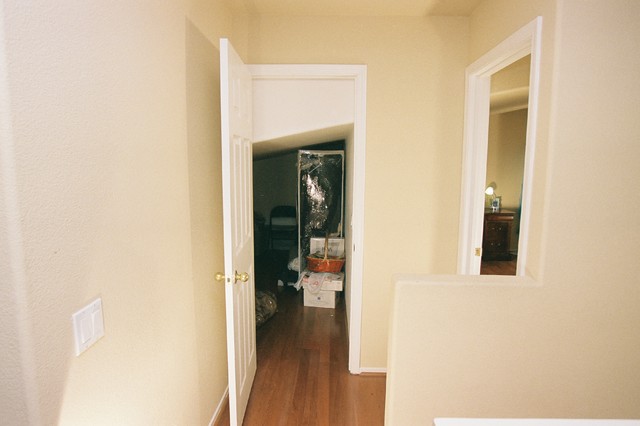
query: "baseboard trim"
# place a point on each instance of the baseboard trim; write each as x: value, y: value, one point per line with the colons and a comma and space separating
x: 223, y: 401
x: 373, y: 371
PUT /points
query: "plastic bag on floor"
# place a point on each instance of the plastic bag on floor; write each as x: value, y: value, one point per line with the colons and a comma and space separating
x: 266, y: 306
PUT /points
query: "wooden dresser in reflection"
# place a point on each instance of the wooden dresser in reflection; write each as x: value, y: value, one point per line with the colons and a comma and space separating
x: 496, y: 238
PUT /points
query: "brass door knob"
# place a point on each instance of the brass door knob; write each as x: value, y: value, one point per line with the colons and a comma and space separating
x: 219, y: 276
x: 244, y: 277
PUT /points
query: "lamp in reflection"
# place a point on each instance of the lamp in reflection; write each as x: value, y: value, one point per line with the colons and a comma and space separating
x: 494, y: 200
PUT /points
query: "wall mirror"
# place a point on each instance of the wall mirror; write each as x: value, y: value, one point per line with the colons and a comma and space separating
x: 499, y: 145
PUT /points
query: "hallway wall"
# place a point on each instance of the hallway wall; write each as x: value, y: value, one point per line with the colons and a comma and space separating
x: 562, y: 343
x: 415, y: 84
x: 110, y: 188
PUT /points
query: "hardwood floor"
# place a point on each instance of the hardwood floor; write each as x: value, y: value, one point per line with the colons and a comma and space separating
x: 498, y: 267
x: 303, y: 376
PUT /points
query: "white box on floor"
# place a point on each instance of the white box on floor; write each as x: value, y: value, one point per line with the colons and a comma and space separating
x: 322, y: 299
x: 332, y: 281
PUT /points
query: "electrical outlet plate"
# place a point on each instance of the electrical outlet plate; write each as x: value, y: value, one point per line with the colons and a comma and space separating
x: 88, y: 325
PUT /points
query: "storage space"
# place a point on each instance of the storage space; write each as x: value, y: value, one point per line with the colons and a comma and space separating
x: 283, y: 228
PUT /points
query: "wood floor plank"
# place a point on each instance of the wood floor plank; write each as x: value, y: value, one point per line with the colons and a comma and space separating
x: 303, y: 376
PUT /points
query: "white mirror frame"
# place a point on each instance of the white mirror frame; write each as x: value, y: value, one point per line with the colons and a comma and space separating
x: 523, y: 42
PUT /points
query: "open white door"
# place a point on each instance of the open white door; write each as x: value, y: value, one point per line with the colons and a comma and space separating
x: 235, y: 94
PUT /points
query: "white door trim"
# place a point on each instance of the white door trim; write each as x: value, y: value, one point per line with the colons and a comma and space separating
x: 527, y: 40
x: 357, y: 73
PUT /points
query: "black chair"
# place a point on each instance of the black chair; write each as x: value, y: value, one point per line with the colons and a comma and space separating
x: 283, y: 228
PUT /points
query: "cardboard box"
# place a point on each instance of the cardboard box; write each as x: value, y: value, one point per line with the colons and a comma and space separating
x: 336, y: 246
x: 322, y: 299
x: 332, y: 282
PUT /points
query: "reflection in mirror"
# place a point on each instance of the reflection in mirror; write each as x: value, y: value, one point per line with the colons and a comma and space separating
x: 505, y: 168
x: 481, y: 106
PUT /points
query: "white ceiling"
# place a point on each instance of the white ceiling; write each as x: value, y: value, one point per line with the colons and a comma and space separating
x: 356, y: 7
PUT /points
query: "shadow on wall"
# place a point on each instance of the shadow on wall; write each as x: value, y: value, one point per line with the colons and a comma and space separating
x: 205, y: 204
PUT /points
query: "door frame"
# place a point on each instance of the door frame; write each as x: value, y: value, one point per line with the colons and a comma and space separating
x: 525, y: 41
x: 357, y: 74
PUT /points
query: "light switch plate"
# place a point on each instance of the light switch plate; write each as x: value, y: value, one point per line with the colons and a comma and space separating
x: 88, y: 325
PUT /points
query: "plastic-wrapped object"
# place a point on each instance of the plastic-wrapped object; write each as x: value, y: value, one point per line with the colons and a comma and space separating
x: 321, y: 183
x: 266, y: 306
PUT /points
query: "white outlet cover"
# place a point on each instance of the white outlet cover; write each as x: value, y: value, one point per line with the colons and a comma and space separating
x: 88, y: 325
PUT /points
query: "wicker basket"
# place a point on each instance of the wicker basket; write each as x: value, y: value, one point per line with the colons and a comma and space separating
x: 321, y: 264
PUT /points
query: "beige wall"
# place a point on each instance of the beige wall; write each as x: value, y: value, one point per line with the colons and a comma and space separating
x: 565, y: 342
x: 415, y: 84
x: 105, y: 164
x: 505, y: 156
x: 135, y: 162
x: 109, y: 189
x: 205, y: 202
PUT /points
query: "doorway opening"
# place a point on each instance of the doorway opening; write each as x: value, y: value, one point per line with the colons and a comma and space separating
x: 276, y: 216
x: 315, y: 104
